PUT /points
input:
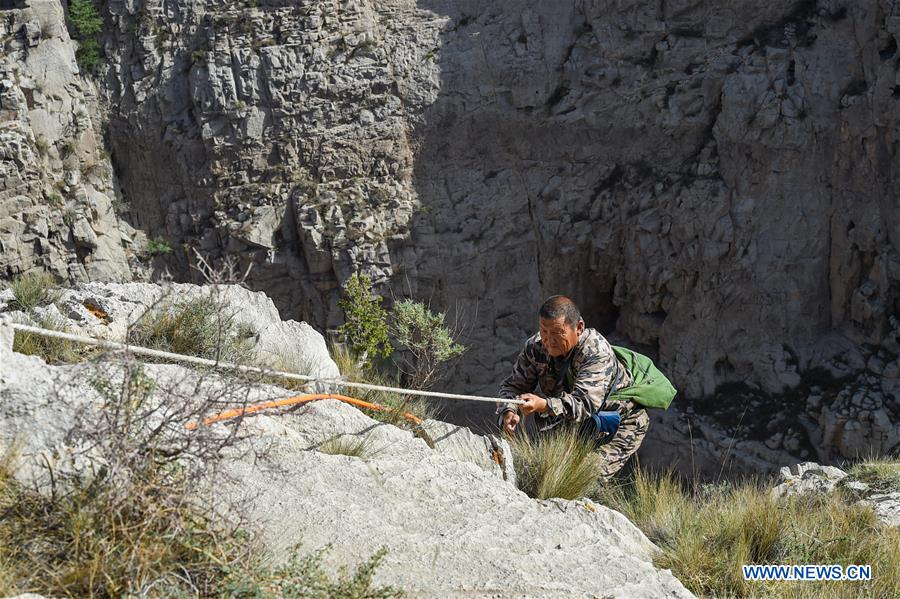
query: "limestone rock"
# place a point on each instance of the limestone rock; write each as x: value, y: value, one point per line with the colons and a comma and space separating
x: 491, y: 454
x: 808, y: 477
x: 108, y: 310
x: 886, y: 506
x: 55, y: 183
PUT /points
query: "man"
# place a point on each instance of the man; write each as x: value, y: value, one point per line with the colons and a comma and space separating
x: 564, y: 375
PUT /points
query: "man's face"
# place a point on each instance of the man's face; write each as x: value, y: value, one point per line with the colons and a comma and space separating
x: 558, y: 337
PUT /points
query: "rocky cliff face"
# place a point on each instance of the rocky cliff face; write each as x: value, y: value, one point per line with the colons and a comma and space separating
x: 281, y: 132
x: 56, y: 183
x: 711, y: 181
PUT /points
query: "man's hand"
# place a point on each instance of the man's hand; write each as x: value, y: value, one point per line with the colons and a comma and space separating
x: 510, y: 421
x: 532, y: 404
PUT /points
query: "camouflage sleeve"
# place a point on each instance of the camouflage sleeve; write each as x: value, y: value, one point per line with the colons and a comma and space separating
x: 523, y: 379
x: 593, y: 378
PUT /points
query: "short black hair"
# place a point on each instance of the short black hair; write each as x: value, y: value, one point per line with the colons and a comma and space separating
x: 557, y: 306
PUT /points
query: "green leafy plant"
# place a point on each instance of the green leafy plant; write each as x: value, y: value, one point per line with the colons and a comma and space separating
x: 423, y: 342
x: 85, y: 25
x: 157, y: 247
x: 365, y: 320
x: 560, y: 463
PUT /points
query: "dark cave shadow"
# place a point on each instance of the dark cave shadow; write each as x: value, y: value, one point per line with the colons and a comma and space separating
x: 479, y: 172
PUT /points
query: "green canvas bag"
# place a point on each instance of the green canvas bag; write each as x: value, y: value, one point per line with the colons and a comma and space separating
x: 650, y: 388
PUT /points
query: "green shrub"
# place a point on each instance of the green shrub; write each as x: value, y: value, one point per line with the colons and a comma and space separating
x: 303, y: 577
x: 84, y: 18
x: 707, y: 535
x: 422, y: 342
x: 32, y: 290
x: 205, y: 327
x: 365, y: 320
x: 157, y: 247
x: 560, y: 463
x: 85, y: 25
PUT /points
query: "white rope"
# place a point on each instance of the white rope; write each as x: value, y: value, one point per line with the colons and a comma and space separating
x: 155, y: 353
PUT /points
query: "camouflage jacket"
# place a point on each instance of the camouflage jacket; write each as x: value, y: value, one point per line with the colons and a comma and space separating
x: 592, y: 369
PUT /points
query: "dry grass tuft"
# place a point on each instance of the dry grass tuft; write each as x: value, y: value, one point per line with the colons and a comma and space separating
x: 32, y: 290
x: 881, y: 474
x: 355, y: 446
x: 706, y: 536
x: 50, y: 349
x: 560, y: 463
x: 203, y: 327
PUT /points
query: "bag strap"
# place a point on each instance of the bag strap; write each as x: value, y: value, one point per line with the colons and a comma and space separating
x: 619, y: 368
x: 615, y: 383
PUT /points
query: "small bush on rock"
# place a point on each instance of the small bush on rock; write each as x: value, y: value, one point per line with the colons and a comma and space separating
x: 205, y: 327
x: 32, y: 290
x: 157, y: 247
x: 365, y: 320
x: 417, y: 340
x: 422, y: 341
x: 85, y: 26
x: 303, y: 577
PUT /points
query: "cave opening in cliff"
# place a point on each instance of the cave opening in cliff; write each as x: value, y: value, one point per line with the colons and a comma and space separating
x: 599, y: 311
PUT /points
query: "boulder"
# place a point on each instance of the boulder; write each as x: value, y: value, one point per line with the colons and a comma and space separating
x: 808, y: 477
x: 886, y: 506
x: 489, y: 452
x: 108, y: 310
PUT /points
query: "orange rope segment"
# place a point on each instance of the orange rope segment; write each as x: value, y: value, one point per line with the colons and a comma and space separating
x: 297, y: 399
